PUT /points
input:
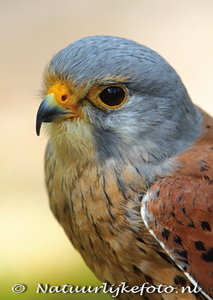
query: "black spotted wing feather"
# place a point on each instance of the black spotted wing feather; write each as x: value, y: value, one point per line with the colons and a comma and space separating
x: 178, y: 211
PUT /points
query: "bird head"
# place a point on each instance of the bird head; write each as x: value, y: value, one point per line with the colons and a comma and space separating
x: 110, y: 97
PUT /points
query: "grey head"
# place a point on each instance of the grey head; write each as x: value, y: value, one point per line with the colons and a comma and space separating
x: 157, y: 121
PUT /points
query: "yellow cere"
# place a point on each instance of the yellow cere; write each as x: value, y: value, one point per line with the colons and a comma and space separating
x: 61, y: 93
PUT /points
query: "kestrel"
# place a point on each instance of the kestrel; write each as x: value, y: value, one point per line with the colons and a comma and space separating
x: 129, y: 166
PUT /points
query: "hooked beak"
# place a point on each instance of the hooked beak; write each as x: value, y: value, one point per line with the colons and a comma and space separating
x: 49, y: 110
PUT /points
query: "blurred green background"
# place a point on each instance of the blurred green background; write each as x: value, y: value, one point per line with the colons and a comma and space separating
x: 34, y: 248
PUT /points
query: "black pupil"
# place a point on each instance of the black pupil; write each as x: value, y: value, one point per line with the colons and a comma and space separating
x: 112, y: 96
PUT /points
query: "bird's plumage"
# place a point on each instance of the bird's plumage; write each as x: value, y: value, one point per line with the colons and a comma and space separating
x: 178, y: 211
x: 103, y: 165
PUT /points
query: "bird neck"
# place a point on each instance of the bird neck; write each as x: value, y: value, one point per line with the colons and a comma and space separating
x: 154, y: 152
x: 72, y: 143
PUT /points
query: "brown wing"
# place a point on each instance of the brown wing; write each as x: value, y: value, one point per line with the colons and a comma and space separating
x: 178, y: 211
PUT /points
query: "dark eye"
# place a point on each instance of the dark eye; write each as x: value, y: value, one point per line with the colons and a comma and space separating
x: 112, y: 96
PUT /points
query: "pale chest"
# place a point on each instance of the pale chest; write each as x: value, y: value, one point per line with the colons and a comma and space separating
x: 100, y: 213
x: 105, y: 218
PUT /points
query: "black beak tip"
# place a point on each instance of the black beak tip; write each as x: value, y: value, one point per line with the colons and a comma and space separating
x: 46, y: 114
x: 39, y: 119
x: 38, y: 123
x: 38, y: 127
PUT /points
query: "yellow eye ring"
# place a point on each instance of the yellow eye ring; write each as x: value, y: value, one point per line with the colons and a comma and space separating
x: 111, y: 96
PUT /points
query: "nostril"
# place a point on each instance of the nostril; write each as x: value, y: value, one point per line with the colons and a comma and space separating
x: 64, y: 97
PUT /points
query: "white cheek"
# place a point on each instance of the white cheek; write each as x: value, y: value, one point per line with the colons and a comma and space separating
x: 72, y: 140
